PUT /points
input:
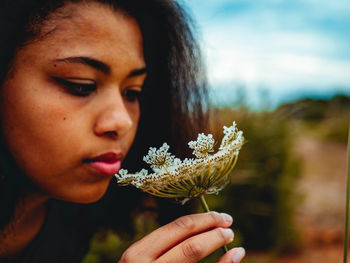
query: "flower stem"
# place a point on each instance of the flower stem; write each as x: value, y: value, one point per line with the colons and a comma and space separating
x: 206, y: 208
x: 346, y: 235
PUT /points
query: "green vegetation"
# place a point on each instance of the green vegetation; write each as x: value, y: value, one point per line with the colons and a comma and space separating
x: 262, y: 196
x: 327, y: 119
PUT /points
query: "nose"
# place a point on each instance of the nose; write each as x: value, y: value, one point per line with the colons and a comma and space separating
x: 114, y: 119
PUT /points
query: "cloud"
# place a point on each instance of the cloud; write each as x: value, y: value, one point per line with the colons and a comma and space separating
x: 279, y: 44
x: 275, y: 69
x: 290, y: 57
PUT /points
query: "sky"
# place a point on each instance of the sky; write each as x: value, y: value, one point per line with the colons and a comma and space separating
x: 268, y: 52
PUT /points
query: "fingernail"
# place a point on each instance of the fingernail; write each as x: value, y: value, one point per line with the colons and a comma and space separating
x: 226, y: 217
x: 228, y: 233
x: 238, y: 255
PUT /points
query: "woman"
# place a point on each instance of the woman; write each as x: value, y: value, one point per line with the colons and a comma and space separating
x: 83, y: 84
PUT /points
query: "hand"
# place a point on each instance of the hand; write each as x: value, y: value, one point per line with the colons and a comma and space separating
x: 188, y: 239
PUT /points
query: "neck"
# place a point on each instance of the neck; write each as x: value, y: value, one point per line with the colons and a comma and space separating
x: 29, y: 216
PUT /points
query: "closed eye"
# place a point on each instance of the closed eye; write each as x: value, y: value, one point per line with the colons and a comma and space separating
x: 132, y: 95
x: 77, y: 87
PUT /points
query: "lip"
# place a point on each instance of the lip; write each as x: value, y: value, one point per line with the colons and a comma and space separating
x: 106, y: 164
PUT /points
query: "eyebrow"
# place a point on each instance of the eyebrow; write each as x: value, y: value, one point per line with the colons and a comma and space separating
x: 96, y: 64
x: 138, y: 72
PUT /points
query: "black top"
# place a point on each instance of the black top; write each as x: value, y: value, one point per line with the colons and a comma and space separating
x: 63, y: 238
x: 68, y: 228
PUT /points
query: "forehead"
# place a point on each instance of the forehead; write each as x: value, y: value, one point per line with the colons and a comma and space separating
x: 89, y: 28
x: 86, y: 18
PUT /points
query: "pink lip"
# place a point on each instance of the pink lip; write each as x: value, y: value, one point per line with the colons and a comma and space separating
x: 107, y: 164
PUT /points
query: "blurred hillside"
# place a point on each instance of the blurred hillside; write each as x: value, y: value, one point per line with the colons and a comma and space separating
x: 317, y: 135
x: 287, y: 191
x: 327, y: 119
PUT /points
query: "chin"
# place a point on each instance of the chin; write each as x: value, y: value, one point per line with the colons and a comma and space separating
x: 85, y: 194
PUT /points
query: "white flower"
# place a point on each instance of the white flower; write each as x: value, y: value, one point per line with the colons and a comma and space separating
x: 173, y: 178
x: 159, y: 158
x: 123, y: 172
x: 203, y: 145
x: 229, y: 136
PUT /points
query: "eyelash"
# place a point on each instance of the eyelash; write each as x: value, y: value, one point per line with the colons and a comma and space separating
x: 132, y: 94
x: 83, y: 90
x: 77, y: 89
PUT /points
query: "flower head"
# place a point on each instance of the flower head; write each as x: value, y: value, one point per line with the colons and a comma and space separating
x: 203, y: 145
x: 208, y: 173
x: 159, y: 158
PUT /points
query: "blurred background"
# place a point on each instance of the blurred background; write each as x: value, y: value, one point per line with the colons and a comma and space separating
x: 277, y: 51
x: 281, y: 70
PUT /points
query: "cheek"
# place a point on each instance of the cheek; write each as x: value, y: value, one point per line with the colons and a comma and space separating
x: 36, y: 130
x: 134, y: 112
x: 46, y: 143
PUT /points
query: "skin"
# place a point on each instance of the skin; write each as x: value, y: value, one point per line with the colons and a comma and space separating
x: 51, y: 127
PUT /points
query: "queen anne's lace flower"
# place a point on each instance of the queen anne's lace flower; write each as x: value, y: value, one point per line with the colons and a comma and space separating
x: 203, y: 145
x: 159, y: 158
x: 189, y: 178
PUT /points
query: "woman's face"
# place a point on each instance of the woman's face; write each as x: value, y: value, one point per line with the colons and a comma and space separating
x: 69, y: 107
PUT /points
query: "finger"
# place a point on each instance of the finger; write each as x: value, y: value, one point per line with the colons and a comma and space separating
x: 198, y: 247
x: 182, y: 228
x: 234, y: 255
